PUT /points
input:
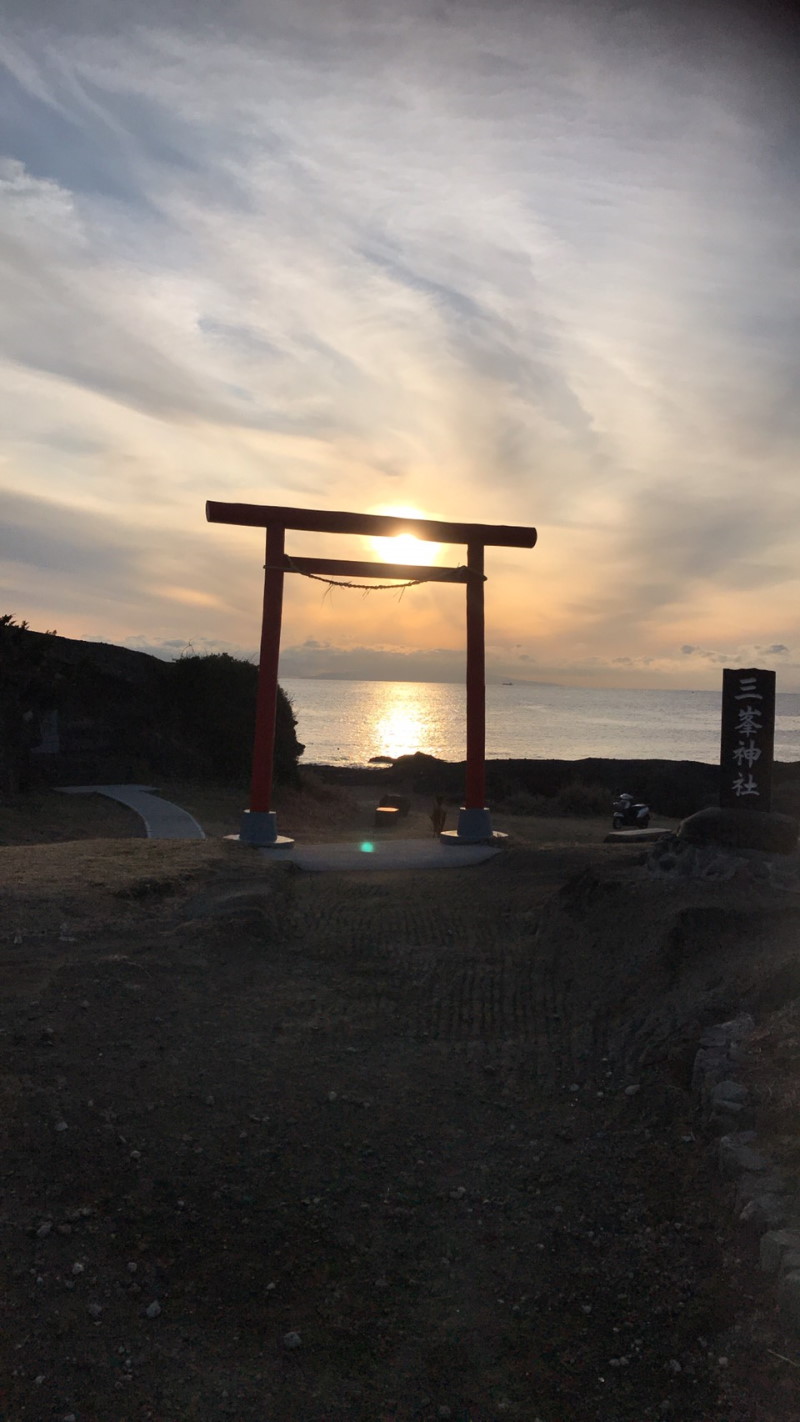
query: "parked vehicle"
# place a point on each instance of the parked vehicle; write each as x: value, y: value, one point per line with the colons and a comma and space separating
x: 628, y: 813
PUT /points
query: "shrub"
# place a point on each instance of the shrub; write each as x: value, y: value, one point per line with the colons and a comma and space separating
x: 27, y: 689
x: 214, y: 698
x: 574, y: 798
x: 578, y: 798
x: 523, y: 803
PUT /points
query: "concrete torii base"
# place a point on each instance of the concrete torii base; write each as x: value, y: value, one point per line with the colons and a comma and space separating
x: 259, y: 828
x: 474, y: 827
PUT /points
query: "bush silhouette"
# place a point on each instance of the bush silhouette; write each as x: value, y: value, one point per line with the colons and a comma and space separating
x: 213, y: 700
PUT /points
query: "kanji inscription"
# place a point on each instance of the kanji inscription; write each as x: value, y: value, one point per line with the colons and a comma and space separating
x: 748, y: 736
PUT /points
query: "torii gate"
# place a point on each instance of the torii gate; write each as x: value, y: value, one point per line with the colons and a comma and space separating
x: 259, y: 823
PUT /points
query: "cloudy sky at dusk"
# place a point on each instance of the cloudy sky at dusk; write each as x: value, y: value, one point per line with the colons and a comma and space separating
x: 529, y: 263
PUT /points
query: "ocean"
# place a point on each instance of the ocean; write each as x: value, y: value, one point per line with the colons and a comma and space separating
x: 349, y: 722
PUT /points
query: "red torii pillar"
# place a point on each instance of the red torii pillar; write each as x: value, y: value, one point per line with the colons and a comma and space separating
x: 259, y: 825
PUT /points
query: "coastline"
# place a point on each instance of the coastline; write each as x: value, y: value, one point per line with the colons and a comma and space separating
x: 672, y: 787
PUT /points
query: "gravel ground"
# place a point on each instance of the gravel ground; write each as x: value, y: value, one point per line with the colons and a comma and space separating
x: 383, y: 1147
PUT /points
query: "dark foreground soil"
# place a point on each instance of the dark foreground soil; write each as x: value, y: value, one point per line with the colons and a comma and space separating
x: 296, y: 1148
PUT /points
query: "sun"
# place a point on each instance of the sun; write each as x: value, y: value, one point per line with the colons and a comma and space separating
x: 404, y: 547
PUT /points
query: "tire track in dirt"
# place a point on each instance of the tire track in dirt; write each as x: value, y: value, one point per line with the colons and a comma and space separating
x: 457, y: 965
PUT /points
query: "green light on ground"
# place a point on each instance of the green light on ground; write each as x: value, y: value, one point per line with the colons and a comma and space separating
x: 367, y: 847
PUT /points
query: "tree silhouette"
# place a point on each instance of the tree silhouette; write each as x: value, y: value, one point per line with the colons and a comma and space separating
x: 28, y: 688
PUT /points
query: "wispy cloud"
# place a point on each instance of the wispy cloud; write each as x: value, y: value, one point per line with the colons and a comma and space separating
x: 531, y: 264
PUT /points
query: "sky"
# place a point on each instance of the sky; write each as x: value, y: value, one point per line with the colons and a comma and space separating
x: 519, y: 263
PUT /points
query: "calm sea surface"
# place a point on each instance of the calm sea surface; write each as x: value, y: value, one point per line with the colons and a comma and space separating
x: 349, y: 722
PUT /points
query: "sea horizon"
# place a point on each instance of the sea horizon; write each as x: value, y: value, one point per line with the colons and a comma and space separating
x: 349, y: 722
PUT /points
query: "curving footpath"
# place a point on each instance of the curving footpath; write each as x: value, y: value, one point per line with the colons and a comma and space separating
x: 162, y: 819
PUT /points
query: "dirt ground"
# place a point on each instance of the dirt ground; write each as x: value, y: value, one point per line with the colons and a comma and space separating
x: 284, y: 1147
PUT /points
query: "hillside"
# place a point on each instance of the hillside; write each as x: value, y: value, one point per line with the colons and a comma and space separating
x: 104, y: 713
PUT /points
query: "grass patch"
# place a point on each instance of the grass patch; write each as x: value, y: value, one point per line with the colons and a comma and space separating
x: 576, y: 799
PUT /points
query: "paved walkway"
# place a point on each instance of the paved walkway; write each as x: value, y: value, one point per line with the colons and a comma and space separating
x: 382, y: 854
x: 162, y: 820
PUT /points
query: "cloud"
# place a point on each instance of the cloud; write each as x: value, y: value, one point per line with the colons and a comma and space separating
x: 373, y: 663
x: 518, y: 263
x: 742, y: 655
x: 44, y: 542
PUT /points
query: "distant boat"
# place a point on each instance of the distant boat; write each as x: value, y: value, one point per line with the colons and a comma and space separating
x: 508, y: 683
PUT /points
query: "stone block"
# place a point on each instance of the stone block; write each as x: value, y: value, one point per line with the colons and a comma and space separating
x: 400, y: 803
x: 730, y: 1093
x: 767, y: 1212
x: 789, y: 1296
x: 738, y: 1155
x: 386, y: 816
x: 711, y: 1065
x: 753, y: 1187
x: 774, y: 1248
x: 729, y: 1114
x: 737, y: 1029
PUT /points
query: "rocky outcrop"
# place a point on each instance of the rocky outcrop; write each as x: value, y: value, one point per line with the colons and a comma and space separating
x: 741, y: 829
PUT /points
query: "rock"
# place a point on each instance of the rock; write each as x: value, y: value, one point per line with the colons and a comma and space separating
x: 632, y: 1090
x: 741, y: 829
x: 727, y: 1101
x: 775, y: 1245
x: 789, y: 1296
x: 711, y: 1065
x: 292, y: 1340
x: 61, y: 1126
x: 738, y: 1156
x: 95, y: 1309
x: 153, y: 1309
x: 44, y: 1229
x: 730, y: 1092
x: 768, y: 1211
x: 751, y: 1185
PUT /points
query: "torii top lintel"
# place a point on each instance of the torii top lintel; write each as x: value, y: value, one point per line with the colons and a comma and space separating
x: 371, y: 525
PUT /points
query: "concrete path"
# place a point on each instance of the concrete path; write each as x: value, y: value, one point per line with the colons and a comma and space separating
x: 370, y: 853
x: 162, y: 820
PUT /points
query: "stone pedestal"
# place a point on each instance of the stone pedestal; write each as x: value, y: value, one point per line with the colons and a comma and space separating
x: 474, y: 827
x: 260, y: 828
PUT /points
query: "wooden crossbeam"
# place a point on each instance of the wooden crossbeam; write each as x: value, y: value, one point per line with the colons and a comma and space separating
x: 372, y: 525
x: 401, y: 572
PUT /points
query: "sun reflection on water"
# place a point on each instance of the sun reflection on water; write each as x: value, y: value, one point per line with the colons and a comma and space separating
x: 401, y: 721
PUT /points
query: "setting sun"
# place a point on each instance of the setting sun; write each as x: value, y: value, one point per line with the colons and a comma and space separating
x: 404, y: 547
